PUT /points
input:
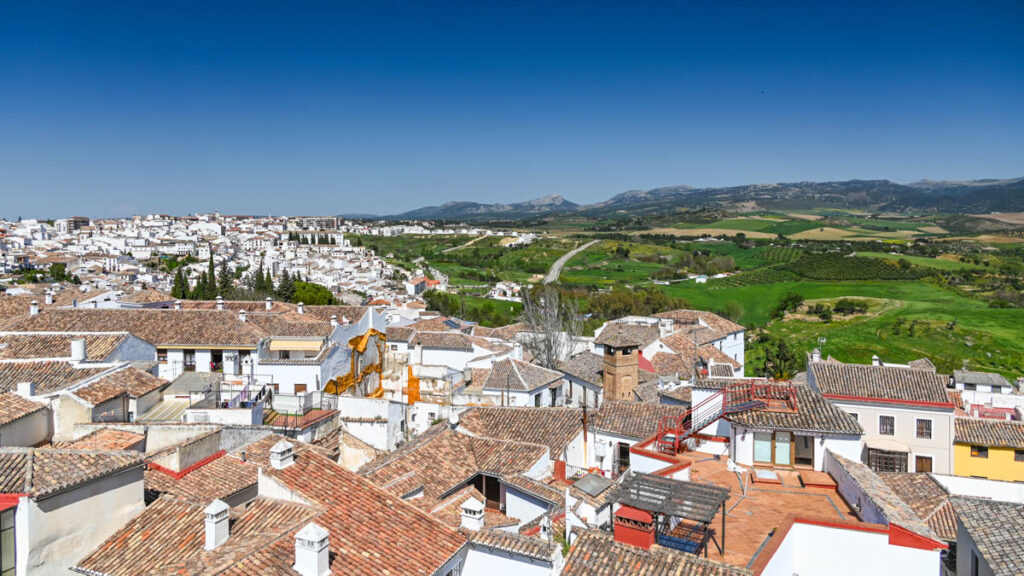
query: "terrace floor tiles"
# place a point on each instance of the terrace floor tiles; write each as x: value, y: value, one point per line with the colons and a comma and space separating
x: 749, y: 520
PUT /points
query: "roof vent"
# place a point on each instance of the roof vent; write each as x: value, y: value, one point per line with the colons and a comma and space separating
x: 217, y: 524
x: 241, y: 315
x: 334, y: 320
x: 453, y: 420
x: 177, y: 304
x: 816, y: 355
x: 472, y: 514
x: 299, y: 308
x: 33, y: 308
x: 282, y: 455
x: 875, y: 361
x: 220, y: 302
x: 49, y: 298
x: 312, y: 551
x: 268, y: 304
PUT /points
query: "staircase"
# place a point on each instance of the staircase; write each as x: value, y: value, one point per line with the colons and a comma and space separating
x: 676, y: 433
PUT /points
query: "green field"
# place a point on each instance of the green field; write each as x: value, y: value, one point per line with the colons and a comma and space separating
x: 938, y: 263
x: 980, y: 331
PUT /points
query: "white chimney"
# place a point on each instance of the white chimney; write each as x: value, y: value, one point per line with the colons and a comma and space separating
x: 78, y: 350
x: 177, y: 304
x: 33, y: 308
x: 312, y: 552
x: 875, y: 361
x: 49, y: 298
x: 241, y: 315
x: 282, y: 455
x: 816, y: 355
x: 453, y: 419
x: 268, y: 303
x: 472, y: 514
x: 26, y: 389
x: 220, y: 302
x: 300, y: 309
x: 216, y: 524
x: 334, y: 320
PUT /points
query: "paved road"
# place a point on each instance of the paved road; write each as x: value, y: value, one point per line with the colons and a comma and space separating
x: 556, y: 268
x: 460, y: 246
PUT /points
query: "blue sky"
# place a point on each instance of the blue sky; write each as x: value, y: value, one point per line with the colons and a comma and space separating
x: 112, y: 109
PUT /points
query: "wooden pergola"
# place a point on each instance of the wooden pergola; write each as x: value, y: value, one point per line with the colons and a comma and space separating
x: 666, y: 498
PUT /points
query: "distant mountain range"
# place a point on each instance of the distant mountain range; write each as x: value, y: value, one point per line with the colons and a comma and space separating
x: 964, y: 197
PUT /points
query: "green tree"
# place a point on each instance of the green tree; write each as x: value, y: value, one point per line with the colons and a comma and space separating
x: 312, y: 294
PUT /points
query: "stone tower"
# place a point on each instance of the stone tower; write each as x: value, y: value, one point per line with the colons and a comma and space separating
x: 621, y: 343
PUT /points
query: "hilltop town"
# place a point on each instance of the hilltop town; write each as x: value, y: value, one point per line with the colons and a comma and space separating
x: 280, y: 395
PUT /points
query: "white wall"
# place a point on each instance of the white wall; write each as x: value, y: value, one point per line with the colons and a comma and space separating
x: 982, y: 488
x: 65, y: 528
x: 811, y: 549
x: 27, y: 431
x: 522, y: 506
x: 481, y: 561
x: 846, y: 446
x: 965, y: 549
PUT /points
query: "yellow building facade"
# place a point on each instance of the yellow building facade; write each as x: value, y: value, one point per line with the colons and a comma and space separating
x: 987, y: 448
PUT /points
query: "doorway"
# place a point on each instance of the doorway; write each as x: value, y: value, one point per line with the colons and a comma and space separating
x: 804, y: 451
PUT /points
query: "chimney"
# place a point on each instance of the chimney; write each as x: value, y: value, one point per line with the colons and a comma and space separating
x: 220, y: 302
x: 26, y: 389
x: 33, y: 308
x: 816, y: 355
x: 334, y: 320
x: 177, y: 304
x: 453, y: 420
x: 78, y: 350
x: 300, y: 309
x: 216, y: 524
x: 472, y: 514
x: 875, y: 361
x: 282, y: 455
x: 241, y: 315
x: 49, y: 298
x: 268, y: 303
x: 312, y: 553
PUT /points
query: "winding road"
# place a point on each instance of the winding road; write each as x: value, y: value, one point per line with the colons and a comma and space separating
x: 556, y: 268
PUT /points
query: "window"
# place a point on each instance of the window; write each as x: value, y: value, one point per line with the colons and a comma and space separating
x: 7, y: 546
x: 855, y: 416
x: 979, y: 451
x: 971, y: 387
x: 886, y: 425
x: 161, y: 355
x: 924, y: 428
x: 886, y: 461
x: 284, y: 355
x: 536, y: 400
x: 922, y: 464
x: 1018, y: 455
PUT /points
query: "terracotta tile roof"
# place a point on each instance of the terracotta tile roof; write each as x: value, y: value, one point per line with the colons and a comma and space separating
x: 400, y: 334
x: 250, y: 306
x: 598, y: 554
x: 519, y: 376
x: 551, y: 427
x: 995, y: 528
x: 892, y: 507
x: 585, y: 366
x: 922, y: 364
x: 58, y: 345
x: 622, y: 334
x: 715, y: 329
x: 927, y: 498
x: 258, y: 452
x: 637, y: 420
x: 439, y: 324
x: 295, y: 325
x: 449, y: 510
x: 682, y: 394
x: 129, y: 381
x: 371, y: 531
x: 13, y: 407
x: 511, y: 543
x: 105, y: 439
x: 443, y: 341
x: 314, y: 416
x: 983, y: 378
x: 49, y: 376
x: 814, y: 414
x: 168, y: 538
x: 989, y: 432
x: 148, y: 296
x: 164, y: 328
x: 42, y: 472
x: 509, y: 332
x: 219, y: 478
x: 446, y: 460
x: 353, y: 313
x: 882, y: 382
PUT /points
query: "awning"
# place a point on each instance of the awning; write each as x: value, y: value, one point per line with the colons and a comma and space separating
x: 887, y: 444
x: 305, y: 345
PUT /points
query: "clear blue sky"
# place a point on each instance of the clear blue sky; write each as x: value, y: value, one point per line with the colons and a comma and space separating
x: 381, y: 106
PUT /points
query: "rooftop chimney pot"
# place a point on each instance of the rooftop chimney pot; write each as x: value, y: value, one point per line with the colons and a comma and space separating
x: 472, y: 514
x: 241, y: 315
x: 268, y: 303
x: 26, y: 389
x: 312, y: 551
x: 49, y: 298
x: 282, y: 455
x: 177, y: 304
x: 217, y: 524
x: 875, y: 361
x: 33, y: 308
x: 816, y: 355
x: 300, y: 308
x: 78, y: 350
x: 334, y: 319
x: 220, y: 302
